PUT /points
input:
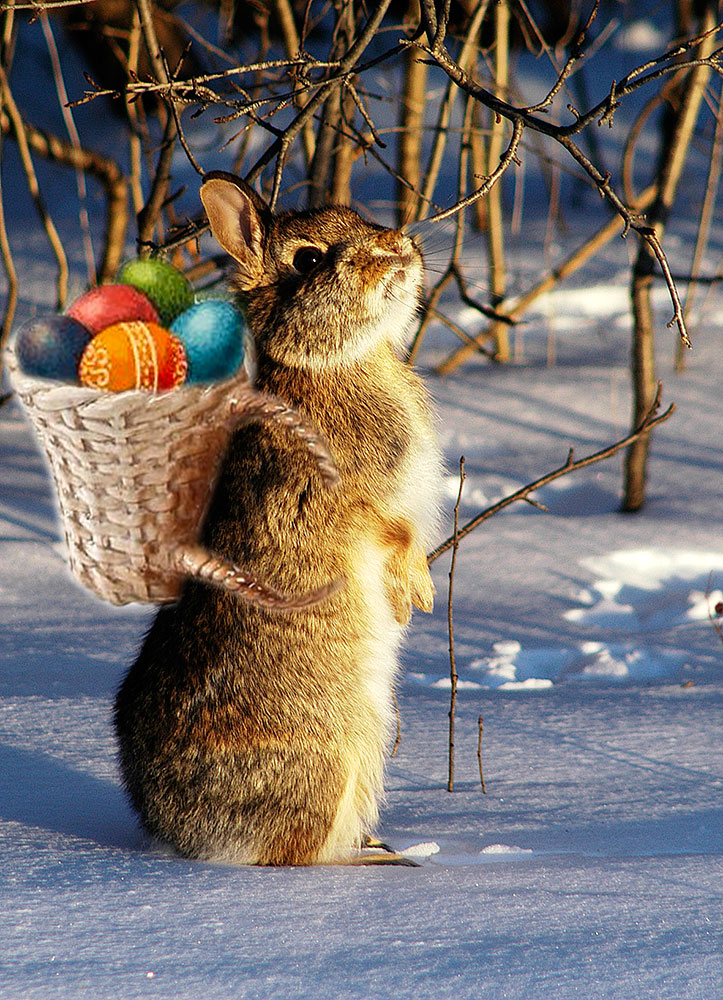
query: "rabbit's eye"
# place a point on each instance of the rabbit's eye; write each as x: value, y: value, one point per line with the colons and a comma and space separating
x: 307, y: 258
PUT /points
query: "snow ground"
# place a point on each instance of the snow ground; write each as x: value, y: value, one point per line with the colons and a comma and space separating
x: 591, y: 869
x: 592, y: 866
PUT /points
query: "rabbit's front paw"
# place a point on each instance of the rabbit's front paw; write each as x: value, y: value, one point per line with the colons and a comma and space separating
x: 421, y: 586
x: 400, y: 600
x: 408, y: 582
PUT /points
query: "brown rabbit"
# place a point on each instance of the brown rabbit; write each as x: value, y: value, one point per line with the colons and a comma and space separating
x: 258, y: 736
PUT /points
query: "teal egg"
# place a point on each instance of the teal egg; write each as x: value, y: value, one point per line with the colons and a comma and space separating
x: 167, y: 288
x: 212, y: 332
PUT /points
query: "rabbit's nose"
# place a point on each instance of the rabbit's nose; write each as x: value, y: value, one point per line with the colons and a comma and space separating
x: 393, y: 243
x: 403, y: 246
x: 397, y: 247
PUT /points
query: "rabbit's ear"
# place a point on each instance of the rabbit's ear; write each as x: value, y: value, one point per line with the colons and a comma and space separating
x: 239, y: 220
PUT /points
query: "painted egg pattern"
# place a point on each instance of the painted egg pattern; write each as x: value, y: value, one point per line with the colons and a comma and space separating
x: 133, y: 355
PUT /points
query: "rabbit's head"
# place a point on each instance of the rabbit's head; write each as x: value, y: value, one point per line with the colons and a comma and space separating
x: 322, y: 288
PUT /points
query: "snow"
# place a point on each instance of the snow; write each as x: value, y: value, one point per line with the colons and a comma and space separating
x: 641, y: 36
x: 583, y: 639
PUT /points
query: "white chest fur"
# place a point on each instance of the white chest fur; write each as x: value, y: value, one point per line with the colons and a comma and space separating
x: 419, y: 489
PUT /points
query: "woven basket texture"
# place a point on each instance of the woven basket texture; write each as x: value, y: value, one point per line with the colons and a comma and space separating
x: 134, y: 472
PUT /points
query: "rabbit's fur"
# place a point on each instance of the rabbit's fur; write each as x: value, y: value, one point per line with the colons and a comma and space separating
x: 259, y: 736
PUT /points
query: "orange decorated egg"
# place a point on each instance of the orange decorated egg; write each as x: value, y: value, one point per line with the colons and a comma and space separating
x: 133, y: 355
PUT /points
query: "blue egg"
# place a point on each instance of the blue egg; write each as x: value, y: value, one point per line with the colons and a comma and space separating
x: 51, y: 347
x: 212, y: 332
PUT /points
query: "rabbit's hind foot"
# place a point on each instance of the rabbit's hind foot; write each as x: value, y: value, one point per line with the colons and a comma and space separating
x: 376, y: 852
x: 378, y: 858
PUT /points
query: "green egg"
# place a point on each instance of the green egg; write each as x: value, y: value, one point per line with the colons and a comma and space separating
x: 166, y: 287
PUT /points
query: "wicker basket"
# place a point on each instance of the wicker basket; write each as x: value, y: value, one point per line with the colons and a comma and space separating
x: 134, y: 473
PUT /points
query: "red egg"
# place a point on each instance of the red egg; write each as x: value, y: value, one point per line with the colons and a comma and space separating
x: 133, y: 356
x: 105, y: 305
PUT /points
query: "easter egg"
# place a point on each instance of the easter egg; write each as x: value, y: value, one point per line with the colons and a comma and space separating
x: 51, y: 347
x: 166, y: 287
x: 211, y: 331
x: 108, y: 304
x: 133, y: 355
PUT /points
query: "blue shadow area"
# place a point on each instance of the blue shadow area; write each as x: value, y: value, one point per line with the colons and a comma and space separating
x: 40, y: 791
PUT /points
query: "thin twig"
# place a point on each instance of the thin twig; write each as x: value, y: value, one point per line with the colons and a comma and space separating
x: 495, y: 227
x: 508, y: 157
x: 278, y: 150
x: 570, y: 465
x: 430, y: 309
x: 12, y: 277
x: 184, y: 142
x: 603, y: 111
x: 75, y: 142
x: 133, y: 109
x: 292, y: 42
x: 641, y: 227
x: 34, y: 188
x: 149, y: 216
x: 464, y: 60
x: 194, y: 89
x: 479, y: 754
x: 41, y: 5
x: 514, y: 308
x: 105, y: 170
x: 459, y: 332
x: 706, y: 216
x: 398, y: 718
x: 450, y: 626
x: 453, y: 269
x: 576, y: 54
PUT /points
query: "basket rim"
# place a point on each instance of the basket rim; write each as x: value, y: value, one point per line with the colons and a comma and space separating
x: 68, y: 393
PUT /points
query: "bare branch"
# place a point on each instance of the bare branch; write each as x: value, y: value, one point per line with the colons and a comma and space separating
x: 465, y: 60
x: 12, y: 296
x: 41, y: 5
x: 602, y: 111
x: 105, y: 170
x: 279, y: 149
x: 292, y: 42
x: 18, y: 128
x: 149, y: 215
x: 570, y: 465
x: 576, y: 53
x: 450, y: 627
x: 706, y: 216
x: 480, y: 727
x: 513, y: 309
x: 75, y: 142
x: 522, y: 117
x: 509, y: 156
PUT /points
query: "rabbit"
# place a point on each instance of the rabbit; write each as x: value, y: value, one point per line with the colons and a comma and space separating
x: 250, y: 735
